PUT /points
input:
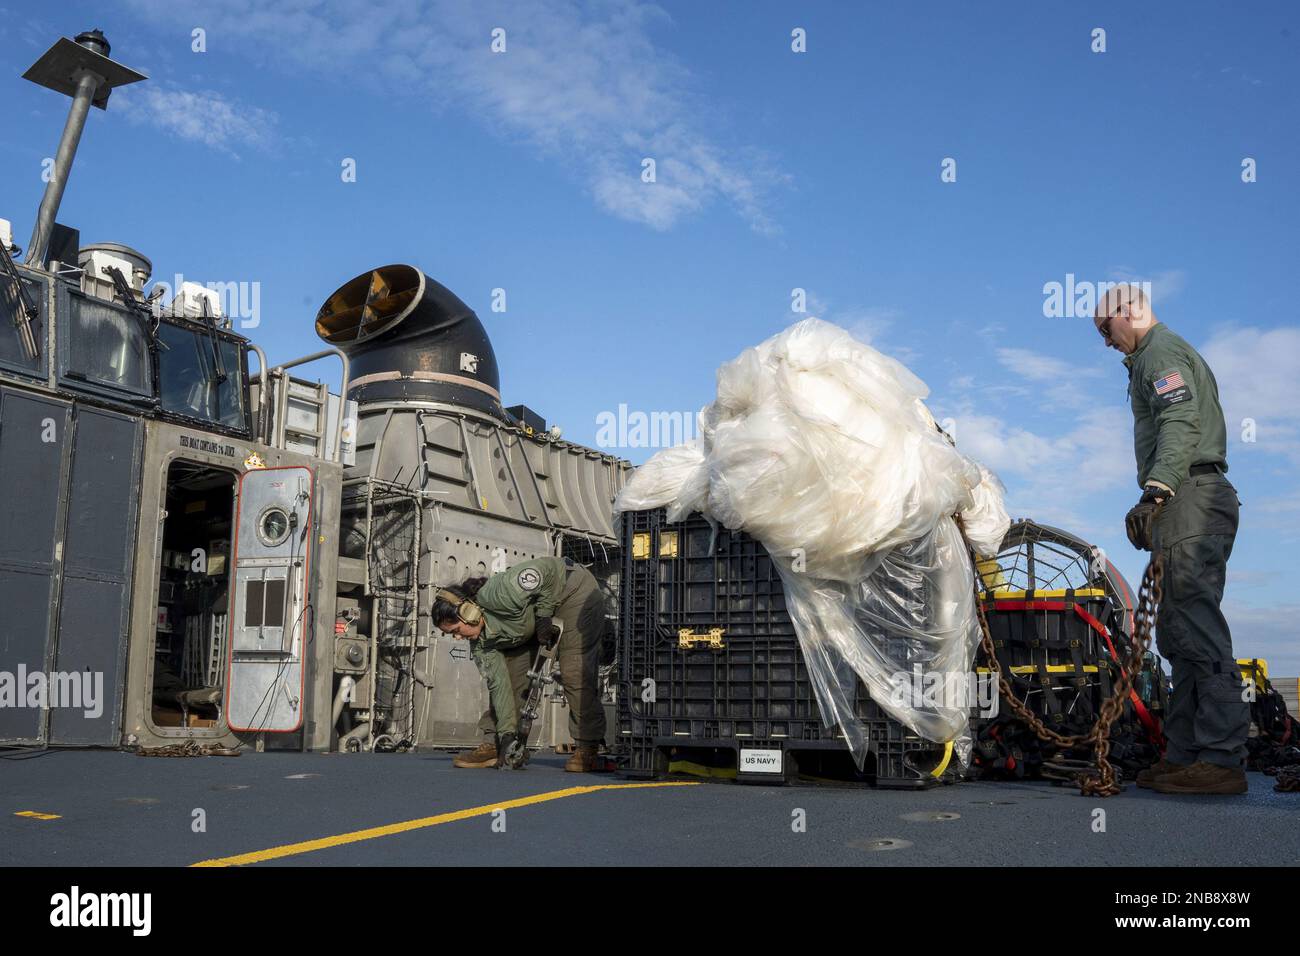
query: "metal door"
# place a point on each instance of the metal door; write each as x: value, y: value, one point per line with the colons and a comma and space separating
x: 33, y: 440
x: 98, y: 550
x: 270, y: 610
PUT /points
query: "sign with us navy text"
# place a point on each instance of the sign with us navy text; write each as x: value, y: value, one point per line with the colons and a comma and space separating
x: 760, y: 761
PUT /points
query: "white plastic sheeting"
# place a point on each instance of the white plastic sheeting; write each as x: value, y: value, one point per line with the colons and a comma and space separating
x: 822, y: 448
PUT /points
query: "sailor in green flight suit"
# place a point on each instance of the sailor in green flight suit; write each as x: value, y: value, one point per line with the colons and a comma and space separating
x: 1181, y: 444
x: 504, y: 617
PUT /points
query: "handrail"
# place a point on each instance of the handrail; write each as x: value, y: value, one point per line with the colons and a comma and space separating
x: 261, y: 392
x: 343, y: 390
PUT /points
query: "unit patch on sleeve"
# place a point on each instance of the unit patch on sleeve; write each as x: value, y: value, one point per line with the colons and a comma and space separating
x: 529, y: 579
x: 1171, y: 388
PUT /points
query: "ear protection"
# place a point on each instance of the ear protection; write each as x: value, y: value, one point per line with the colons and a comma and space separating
x: 467, y: 612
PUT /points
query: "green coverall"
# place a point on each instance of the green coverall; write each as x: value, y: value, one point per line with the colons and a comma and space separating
x: 512, y: 601
x: 1179, y: 427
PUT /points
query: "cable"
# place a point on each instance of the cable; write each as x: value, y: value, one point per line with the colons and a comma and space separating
x: 268, y: 697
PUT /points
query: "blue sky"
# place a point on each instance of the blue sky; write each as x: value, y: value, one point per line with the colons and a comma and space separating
x: 775, y: 170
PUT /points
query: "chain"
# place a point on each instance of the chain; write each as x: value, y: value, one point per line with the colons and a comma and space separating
x: 1102, y: 780
x: 191, y: 748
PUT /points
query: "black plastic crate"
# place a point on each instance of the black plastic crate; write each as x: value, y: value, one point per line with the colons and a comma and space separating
x: 704, y: 619
x: 1060, y: 666
x: 1051, y: 627
x: 1056, y: 661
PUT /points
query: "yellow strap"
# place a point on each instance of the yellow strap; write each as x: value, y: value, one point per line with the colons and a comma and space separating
x: 943, y: 764
x: 700, y: 770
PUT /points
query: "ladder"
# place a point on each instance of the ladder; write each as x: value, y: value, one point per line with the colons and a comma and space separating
x: 301, y: 415
x: 216, y: 651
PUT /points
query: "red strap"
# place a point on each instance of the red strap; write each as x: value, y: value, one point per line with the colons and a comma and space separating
x: 1143, y: 714
x: 1029, y: 605
x: 1100, y: 628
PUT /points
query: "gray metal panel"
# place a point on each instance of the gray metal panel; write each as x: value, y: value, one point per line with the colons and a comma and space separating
x: 489, y: 487
x: 576, y: 484
x: 317, y: 722
x: 98, y: 553
x: 267, y: 624
x: 463, y: 545
x: 25, y: 597
x: 31, y: 468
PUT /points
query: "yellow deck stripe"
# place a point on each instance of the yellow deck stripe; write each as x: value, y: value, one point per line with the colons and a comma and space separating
x: 356, y: 836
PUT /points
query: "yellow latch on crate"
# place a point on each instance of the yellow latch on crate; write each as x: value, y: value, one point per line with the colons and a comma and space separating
x: 687, y: 639
x: 640, y: 546
x: 667, y: 544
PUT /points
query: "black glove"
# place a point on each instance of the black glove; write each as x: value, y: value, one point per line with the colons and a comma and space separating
x: 1138, y: 521
x: 547, y: 632
x: 510, y: 755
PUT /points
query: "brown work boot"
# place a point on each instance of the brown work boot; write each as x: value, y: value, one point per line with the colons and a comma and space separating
x: 1202, y: 777
x: 584, y: 759
x: 1147, y: 777
x: 483, y: 756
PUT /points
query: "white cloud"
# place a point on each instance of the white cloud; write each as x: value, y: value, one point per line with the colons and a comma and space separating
x: 869, y: 325
x: 1057, y: 383
x: 584, y: 85
x: 1267, y: 632
x: 203, y: 116
x: 1039, y: 368
x: 1048, y: 475
x: 1256, y: 372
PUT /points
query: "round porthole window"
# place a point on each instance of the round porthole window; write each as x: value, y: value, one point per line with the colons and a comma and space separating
x: 273, y: 526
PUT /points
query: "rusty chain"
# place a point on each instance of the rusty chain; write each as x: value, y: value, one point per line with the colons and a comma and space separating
x: 191, y: 748
x: 1288, y: 779
x: 1102, y: 781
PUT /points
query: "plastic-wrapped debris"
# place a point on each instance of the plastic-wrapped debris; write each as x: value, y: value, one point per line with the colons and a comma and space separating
x: 822, y: 448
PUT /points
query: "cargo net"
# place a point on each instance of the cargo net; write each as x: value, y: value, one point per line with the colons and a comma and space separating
x: 1037, y: 558
x: 1061, y: 617
x: 384, y: 522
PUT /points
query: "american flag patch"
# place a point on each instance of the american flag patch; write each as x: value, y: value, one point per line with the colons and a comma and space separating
x: 1170, y: 382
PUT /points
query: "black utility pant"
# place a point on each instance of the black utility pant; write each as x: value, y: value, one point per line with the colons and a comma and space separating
x: 1209, y: 712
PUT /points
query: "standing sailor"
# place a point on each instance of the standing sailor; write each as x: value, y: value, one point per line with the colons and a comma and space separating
x: 1181, y: 444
